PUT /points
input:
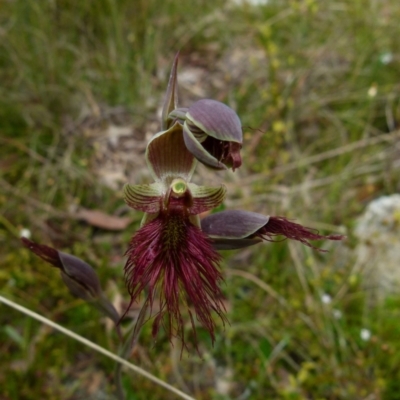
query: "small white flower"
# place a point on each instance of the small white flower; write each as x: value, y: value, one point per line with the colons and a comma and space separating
x: 365, y: 334
x: 337, y: 314
x: 326, y: 298
x: 386, y: 58
x: 24, y: 232
x: 372, y: 91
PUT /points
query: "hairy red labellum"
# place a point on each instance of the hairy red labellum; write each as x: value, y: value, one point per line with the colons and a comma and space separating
x: 175, y: 262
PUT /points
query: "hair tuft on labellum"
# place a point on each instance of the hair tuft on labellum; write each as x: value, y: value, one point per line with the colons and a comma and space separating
x: 177, y: 265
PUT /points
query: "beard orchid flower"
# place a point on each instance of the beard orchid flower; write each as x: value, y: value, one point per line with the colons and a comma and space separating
x: 170, y: 255
x: 173, y: 255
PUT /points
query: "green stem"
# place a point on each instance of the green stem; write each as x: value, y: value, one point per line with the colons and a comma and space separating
x: 129, y: 344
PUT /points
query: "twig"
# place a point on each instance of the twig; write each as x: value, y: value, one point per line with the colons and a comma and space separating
x: 95, y: 347
x: 126, y: 349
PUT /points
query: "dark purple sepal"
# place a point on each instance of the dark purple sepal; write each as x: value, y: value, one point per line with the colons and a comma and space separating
x: 80, y: 278
x: 233, y: 224
x: 46, y: 253
x: 216, y: 119
x: 235, y: 229
x: 199, y: 152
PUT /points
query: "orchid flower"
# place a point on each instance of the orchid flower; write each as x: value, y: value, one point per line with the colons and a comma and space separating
x: 170, y: 255
x: 173, y: 255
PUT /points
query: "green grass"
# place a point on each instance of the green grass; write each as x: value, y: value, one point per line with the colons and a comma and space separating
x: 320, y: 109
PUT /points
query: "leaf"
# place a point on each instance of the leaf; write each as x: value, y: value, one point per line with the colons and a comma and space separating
x: 13, y: 334
x: 102, y: 220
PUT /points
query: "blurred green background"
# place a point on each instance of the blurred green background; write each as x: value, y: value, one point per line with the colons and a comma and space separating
x: 317, y: 87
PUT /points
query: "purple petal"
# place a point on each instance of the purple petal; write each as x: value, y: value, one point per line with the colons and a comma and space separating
x: 213, y: 134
